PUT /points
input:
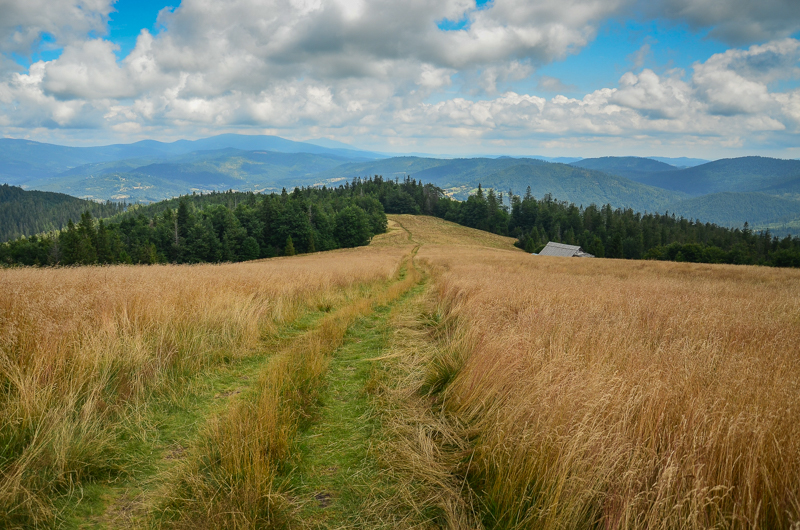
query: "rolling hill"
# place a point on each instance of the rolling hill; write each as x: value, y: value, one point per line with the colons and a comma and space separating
x: 581, y: 186
x: 25, y: 213
x: 23, y: 161
x: 624, y: 166
x: 730, y: 191
x: 148, y: 180
x: 461, y: 176
x: 733, y: 209
x: 745, y: 174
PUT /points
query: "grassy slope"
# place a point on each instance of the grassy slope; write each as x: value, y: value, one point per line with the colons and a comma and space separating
x: 434, y: 231
x: 386, y: 434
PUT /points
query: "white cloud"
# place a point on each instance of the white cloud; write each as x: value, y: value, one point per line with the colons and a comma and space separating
x: 24, y: 21
x: 362, y: 69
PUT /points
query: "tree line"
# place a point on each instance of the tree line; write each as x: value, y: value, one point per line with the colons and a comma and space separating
x: 215, y: 227
x: 237, y: 226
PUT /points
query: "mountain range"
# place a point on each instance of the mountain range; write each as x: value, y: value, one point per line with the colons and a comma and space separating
x: 729, y: 192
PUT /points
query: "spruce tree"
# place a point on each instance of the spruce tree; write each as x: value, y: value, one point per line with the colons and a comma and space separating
x: 289, y: 250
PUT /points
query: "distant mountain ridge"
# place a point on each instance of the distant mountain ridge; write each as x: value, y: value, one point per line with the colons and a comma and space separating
x: 744, y: 174
x: 630, y: 167
x: 761, y: 191
x: 22, y: 161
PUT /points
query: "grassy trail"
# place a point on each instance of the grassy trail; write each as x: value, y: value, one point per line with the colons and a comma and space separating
x: 334, y: 470
x: 338, y: 477
x: 162, y: 430
x: 160, y: 433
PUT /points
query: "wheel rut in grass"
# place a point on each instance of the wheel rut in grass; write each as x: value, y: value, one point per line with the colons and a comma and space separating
x: 160, y: 434
x: 169, y: 428
x: 337, y: 475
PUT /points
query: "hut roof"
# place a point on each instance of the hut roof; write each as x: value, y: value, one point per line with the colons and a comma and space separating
x: 560, y: 249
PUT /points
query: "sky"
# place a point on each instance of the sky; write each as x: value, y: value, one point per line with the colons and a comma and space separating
x: 697, y: 78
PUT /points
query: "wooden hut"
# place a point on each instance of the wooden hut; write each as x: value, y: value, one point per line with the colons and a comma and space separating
x: 567, y: 251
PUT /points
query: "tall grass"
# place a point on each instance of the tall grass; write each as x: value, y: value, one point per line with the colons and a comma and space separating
x: 615, y: 394
x: 79, y: 345
x: 232, y: 477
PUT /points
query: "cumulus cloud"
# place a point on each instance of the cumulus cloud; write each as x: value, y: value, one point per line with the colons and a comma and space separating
x: 734, y: 21
x: 380, y: 67
x: 724, y: 100
x: 24, y: 22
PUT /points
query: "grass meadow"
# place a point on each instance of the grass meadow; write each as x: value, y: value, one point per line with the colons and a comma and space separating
x: 82, y: 348
x: 473, y: 386
x: 619, y: 394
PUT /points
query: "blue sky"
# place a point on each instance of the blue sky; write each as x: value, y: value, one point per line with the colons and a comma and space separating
x: 704, y: 78
x: 130, y: 17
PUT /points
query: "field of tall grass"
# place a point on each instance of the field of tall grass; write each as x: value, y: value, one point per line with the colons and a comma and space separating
x: 520, y: 391
x: 618, y: 394
x: 80, y: 347
x: 232, y: 478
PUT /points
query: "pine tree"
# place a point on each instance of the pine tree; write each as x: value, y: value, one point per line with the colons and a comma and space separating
x: 289, y: 250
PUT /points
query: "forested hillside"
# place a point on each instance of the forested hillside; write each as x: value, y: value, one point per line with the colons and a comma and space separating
x: 578, y: 185
x: 624, y: 166
x: 206, y: 229
x: 237, y: 226
x: 734, y: 209
x: 33, y: 212
x: 749, y: 173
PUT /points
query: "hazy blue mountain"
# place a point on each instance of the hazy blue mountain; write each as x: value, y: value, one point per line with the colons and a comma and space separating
x: 631, y: 167
x: 389, y: 168
x: 680, y: 162
x: 269, y: 143
x: 197, y: 172
x: 567, y: 183
x: 750, y: 173
x: 734, y: 209
x: 559, y: 159
x: 330, y: 144
x: 22, y: 161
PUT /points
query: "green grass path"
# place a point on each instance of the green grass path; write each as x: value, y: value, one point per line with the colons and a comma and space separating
x: 156, y: 436
x: 337, y: 479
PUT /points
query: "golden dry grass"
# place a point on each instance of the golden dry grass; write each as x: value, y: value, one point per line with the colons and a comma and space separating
x: 528, y: 392
x: 621, y: 394
x: 79, y: 345
x: 231, y: 478
x: 434, y: 231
